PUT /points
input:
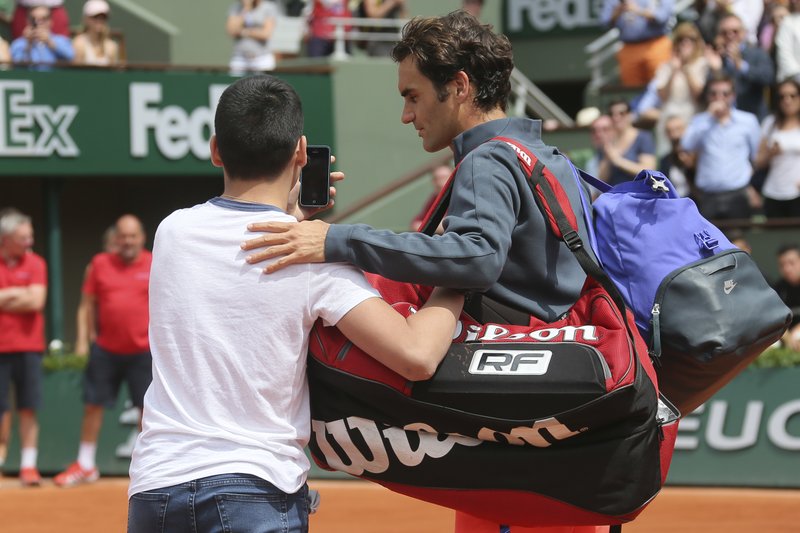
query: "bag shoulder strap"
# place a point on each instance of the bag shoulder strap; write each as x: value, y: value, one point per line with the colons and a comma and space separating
x: 554, y: 203
x: 439, y: 206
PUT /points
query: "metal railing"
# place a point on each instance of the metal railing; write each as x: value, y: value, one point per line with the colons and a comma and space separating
x: 527, y: 98
x: 397, y: 184
x: 343, y: 32
x: 605, y: 47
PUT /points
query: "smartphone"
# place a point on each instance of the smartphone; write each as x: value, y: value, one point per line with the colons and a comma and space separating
x: 315, y: 180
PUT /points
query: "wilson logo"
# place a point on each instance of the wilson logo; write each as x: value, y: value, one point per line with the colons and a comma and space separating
x: 510, y: 362
x: 493, y: 332
x: 525, y: 157
x: 357, y: 445
x: 379, y: 440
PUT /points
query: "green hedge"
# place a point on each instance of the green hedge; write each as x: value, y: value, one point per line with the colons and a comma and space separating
x: 54, y: 362
x: 777, y: 358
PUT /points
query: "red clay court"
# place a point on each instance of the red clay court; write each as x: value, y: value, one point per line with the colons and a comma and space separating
x: 362, y: 506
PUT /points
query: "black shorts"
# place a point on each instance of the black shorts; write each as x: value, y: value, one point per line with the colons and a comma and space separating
x: 24, y: 369
x: 106, y: 371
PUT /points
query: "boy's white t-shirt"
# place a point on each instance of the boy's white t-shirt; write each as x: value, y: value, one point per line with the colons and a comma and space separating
x: 229, y: 343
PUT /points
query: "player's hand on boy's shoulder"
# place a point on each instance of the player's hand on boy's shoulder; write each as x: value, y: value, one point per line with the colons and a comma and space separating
x: 292, y: 242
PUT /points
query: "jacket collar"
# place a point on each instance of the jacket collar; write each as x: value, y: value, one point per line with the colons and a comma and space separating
x: 516, y: 128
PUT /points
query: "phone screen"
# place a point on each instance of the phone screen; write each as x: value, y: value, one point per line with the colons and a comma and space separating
x: 315, y: 178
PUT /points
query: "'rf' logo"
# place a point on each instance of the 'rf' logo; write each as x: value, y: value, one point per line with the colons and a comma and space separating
x: 28, y: 130
x: 511, y: 362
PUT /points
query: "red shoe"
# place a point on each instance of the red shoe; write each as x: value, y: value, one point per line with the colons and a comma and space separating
x: 75, y: 475
x: 29, y: 477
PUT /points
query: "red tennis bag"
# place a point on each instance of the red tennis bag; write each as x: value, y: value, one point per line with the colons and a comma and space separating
x: 541, y: 424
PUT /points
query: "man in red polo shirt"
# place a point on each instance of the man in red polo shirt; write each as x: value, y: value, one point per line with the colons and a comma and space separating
x: 23, y: 291
x: 115, y: 293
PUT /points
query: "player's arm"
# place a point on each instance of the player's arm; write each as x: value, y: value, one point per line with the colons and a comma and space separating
x: 471, y: 254
x: 412, y: 346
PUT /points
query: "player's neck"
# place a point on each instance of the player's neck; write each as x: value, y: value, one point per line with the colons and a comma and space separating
x: 476, y: 117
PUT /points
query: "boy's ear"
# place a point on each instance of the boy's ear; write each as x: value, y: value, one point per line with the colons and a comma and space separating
x: 215, y: 158
x: 300, y: 152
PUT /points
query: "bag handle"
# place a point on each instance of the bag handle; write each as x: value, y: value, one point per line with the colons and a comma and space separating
x: 658, y: 182
x: 597, y: 183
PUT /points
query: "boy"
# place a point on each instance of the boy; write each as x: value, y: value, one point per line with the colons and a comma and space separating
x: 227, y: 416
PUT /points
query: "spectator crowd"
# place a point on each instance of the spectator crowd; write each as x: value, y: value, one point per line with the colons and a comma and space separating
x: 41, y: 35
x: 719, y: 107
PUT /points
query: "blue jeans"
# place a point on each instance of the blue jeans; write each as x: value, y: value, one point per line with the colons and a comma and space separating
x: 238, y: 503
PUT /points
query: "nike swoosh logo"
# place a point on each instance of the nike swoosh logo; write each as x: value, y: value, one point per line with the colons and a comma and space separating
x: 729, y: 288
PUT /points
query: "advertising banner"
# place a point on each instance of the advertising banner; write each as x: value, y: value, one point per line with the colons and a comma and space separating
x: 748, y: 434
x: 536, y: 19
x: 112, y: 123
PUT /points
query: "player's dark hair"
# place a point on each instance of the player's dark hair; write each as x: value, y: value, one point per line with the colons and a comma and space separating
x: 443, y: 46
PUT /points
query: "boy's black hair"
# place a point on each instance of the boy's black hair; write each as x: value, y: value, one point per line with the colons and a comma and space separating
x: 258, y: 121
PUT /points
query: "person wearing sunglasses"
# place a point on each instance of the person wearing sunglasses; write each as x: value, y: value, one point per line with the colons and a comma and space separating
x: 724, y: 141
x: 787, y: 44
x: 749, y: 66
x: 680, y: 81
x: 60, y: 23
x: 779, y: 152
x: 627, y: 149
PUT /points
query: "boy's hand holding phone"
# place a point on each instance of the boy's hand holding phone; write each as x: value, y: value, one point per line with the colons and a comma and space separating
x: 304, y: 242
x: 315, y: 179
x: 319, y: 191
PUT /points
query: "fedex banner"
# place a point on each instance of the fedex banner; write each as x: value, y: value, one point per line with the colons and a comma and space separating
x: 89, y: 123
x: 548, y: 18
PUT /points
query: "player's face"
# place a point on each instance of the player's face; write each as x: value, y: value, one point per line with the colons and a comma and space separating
x: 433, y: 118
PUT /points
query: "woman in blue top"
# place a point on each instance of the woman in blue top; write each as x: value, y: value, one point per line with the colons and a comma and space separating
x: 629, y: 150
